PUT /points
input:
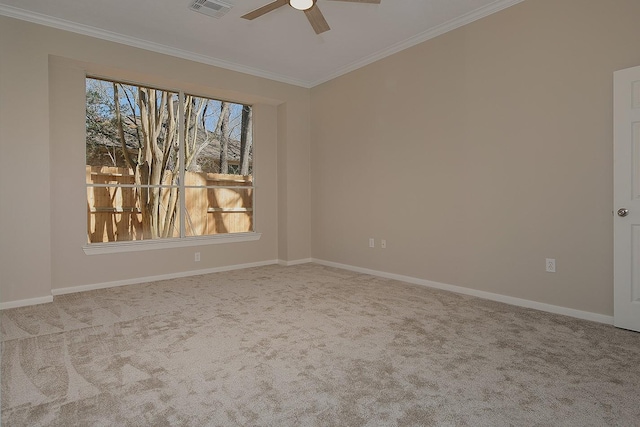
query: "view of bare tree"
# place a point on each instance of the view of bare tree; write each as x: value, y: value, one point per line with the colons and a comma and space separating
x: 138, y: 127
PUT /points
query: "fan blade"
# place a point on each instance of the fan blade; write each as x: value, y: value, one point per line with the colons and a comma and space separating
x: 316, y: 19
x: 265, y: 9
x: 360, y: 1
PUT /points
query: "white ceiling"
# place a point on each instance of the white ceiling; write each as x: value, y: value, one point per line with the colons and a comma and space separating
x: 280, y: 45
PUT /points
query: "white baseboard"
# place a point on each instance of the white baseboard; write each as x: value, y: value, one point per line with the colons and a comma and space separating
x: 26, y: 302
x: 579, y: 314
x: 285, y: 263
x: 82, y: 288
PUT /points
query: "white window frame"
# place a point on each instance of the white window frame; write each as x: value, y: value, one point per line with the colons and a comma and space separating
x: 182, y: 241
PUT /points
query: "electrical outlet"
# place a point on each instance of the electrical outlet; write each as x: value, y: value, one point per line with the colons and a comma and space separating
x: 197, y: 257
x: 551, y: 265
x: 383, y: 244
x: 372, y: 243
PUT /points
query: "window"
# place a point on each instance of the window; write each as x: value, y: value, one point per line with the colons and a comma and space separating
x: 164, y: 164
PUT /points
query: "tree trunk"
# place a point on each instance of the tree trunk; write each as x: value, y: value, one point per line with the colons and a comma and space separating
x: 123, y: 142
x: 224, y: 137
x: 246, y: 139
x: 152, y: 118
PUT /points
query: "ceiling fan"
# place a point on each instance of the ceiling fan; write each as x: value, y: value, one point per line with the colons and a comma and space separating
x: 309, y: 7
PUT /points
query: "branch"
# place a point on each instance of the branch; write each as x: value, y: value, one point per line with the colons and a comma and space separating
x: 134, y: 120
x: 123, y: 143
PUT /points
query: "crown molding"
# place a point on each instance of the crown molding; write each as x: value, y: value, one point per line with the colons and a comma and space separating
x: 434, y: 32
x: 62, y: 24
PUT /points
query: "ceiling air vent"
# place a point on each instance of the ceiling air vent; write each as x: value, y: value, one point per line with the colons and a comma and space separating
x: 215, y: 8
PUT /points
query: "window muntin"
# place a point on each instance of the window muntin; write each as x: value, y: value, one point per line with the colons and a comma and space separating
x: 154, y: 160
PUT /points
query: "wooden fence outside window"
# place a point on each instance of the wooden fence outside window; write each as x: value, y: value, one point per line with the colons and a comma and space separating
x: 113, y: 211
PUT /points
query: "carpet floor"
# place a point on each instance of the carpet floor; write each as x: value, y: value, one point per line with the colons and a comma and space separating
x: 309, y: 346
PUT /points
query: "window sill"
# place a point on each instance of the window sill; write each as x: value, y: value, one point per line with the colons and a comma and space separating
x: 147, y: 245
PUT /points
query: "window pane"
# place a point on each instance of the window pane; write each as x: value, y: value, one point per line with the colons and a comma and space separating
x: 132, y: 138
x: 115, y: 213
x: 218, y: 136
x: 127, y: 125
x: 216, y: 210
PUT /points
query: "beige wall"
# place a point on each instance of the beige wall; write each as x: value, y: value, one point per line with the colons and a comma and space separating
x: 480, y: 153
x: 25, y: 240
x: 294, y: 185
x: 475, y: 155
x: 42, y: 215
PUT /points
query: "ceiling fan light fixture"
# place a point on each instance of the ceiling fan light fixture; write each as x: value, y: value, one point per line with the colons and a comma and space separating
x: 301, y: 4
